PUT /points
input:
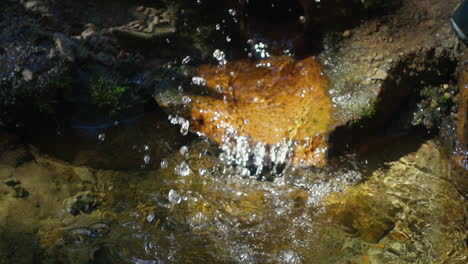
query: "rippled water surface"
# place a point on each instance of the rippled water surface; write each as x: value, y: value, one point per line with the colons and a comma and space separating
x: 402, y: 204
x: 239, y: 172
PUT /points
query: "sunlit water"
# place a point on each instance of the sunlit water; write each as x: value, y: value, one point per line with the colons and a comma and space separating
x: 166, y: 198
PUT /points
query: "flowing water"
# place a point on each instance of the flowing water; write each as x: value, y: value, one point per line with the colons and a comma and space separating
x: 235, y: 185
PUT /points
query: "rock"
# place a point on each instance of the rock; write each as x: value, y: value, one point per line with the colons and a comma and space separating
x: 153, y: 25
x: 27, y: 75
x: 69, y: 48
x: 346, y: 33
x: 357, y: 213
x: 84, y: 174
x: 283, y: 101
x: 19, y: 192
x: 15, y: 157
x: 11, y: 182
x: 88, y: 32
x: 82, y: 202
x: 380, y: 75
x: 369, y: 93
x: 65, y: 46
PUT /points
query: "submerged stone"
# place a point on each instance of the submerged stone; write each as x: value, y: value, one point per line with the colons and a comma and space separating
x: 82, y: 202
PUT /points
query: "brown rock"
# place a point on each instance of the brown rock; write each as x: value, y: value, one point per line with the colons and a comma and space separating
x: 286, y: 100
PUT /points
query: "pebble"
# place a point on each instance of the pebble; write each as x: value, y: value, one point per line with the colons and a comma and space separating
x: 27, y: 75
x: 346, y: 33
x: 84, y: 174
x: 12, y: 182
x: 380, y: 75
x: 19, y: 192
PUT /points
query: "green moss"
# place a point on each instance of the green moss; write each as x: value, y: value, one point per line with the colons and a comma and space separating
x: 107, y: 94
x: 364, y: 113
x: 434, y: 103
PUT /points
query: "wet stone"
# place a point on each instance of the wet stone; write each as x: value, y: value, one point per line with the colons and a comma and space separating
x: 84, y: 174
x: 277, y: 104
x: 11, y: 182
x: 82, y: 202
x: 19, y: 192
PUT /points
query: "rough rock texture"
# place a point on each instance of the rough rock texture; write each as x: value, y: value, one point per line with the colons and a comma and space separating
x: 375, y: 63
x: 280, y: 100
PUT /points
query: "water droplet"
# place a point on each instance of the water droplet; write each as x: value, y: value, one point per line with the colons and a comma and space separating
x: 218, y: 26
x: 219, y: 55
x: 198, y: 81
x: 302, y: 19
x: 182, y: 169
x: 184, y: 128
x: 228, y: 38
x: 232, y: 12
x: 147, y: 159
x: 186, y: 99
x: 164, y: 164
x: 183, y: 150
x: 102, y: 136
x: 174, y: 197
x: 146, y: 147
x: 186, y: 60
x: 150, y: 218
x: 202, y: 171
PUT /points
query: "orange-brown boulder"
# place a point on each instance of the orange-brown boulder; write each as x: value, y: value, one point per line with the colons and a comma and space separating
x: 276, y: 100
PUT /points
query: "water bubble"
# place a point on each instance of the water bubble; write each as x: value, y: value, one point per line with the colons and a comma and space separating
x: 302, y: 19
x: 219, y: 55
x: 202, y: 171
x: 218, y: 26
x: 147, y: 159
x: 186, y: 99
x: 146, y: 147
x: 228, y: 38
x: 198, y: 81
x: 102, y: 136
x: 164, y: 164
x: 116, y: 123
x: 184, y: 128
x: 174, y: 197
x: 183, y: 150
x: 232, y: 12
x: 150, y: 217
x: 186, y: 60
x: 290, y: 257
x: 182, y: 169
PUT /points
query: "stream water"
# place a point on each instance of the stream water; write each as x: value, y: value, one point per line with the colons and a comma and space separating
x: 399, y: 202
x: 228, y: 186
